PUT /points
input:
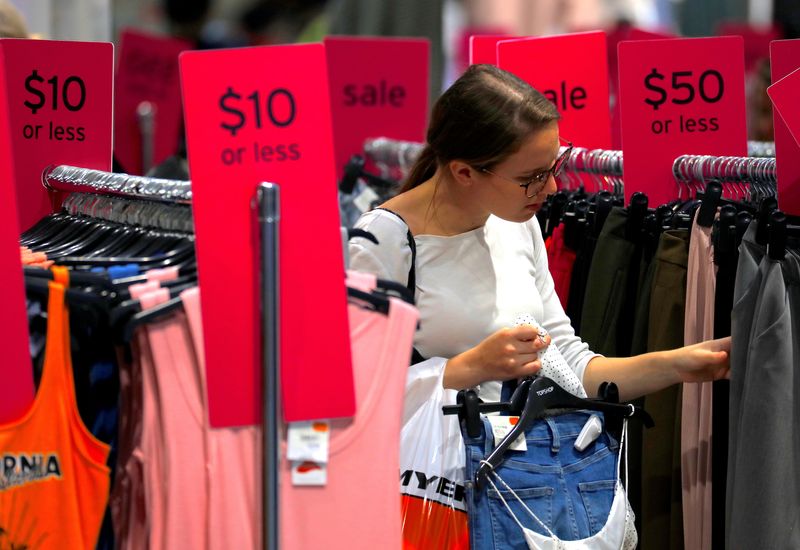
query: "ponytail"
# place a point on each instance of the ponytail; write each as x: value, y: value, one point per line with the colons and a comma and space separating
x: 424, y: 168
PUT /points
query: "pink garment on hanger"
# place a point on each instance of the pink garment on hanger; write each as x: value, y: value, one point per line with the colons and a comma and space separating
x: 233, y: 462
x: 182, y: 523
x: 163, y: 274
x: 696, y: 413
x: 137, y: 498
x: 141, y: 288
x: 361, y: 280
x: 359, y: 507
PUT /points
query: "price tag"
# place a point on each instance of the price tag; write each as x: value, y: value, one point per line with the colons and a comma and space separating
x: 572, y: 71
x: 501, y: 425
x: 379, y: 88
x: 265, y: 116
x: 483, y: 48
x: 147, y: 71
x: 59, y: 96
x: 681, y: 96
x: 308, y: 441
x: 784, y: 60
x: 307, y: 473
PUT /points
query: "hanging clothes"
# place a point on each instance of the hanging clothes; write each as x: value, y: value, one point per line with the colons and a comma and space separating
x: 697, y: 404
x: 54, y: 482
x: 763, y: 490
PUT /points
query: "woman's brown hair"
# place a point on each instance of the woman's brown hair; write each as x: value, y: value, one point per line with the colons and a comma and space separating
x: 481, y: 119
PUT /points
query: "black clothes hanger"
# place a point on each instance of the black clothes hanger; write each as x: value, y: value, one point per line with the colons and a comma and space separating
x: 637, y: 210
x: 354, y: 169
x: 603, y: 206
x: 766, y: 208
x: 76, y: 278
x: 544, y: 394
x: 148, y: 316
x: 556, y: 208
x: 374, y: 302
x: 779, y: 232
x: 393, y: 288
x: 711, y: 199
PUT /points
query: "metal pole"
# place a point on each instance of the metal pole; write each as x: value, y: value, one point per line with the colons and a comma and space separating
x: 269, y: 219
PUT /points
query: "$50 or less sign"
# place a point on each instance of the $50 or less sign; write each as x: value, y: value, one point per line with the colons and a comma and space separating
x: 681, y: 96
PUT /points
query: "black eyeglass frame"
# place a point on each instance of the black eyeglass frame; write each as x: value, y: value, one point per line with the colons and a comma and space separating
x: 542, y: 177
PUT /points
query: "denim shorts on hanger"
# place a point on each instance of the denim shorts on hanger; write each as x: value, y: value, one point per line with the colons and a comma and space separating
x: 570, y: 491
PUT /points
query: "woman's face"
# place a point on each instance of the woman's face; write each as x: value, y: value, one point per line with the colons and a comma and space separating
x: 502, y: 192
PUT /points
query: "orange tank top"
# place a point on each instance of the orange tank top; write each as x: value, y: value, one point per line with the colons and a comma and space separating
x: 53, y: 476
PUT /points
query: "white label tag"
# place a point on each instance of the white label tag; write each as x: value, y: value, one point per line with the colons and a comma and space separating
x: 308, y: 441
x: 309, y: 474
x: 501, y: 425
x: 365, y: 199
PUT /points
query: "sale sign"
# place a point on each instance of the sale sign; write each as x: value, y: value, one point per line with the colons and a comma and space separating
x: 59, y: 99
x: 16, y: 391
x: 620, y: 34
x: 572, y: 71
x: 483, y: 48
x: 681, y: 96
x: 265, y: 116
x: 784, y: 60
x: 147, y: 71
x: 756, y: 40
x: 372, y: 96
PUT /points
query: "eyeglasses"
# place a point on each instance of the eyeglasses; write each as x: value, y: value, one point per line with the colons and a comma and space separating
x: 535, y: 185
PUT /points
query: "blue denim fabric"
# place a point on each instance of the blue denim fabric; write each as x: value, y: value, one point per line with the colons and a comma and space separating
x: 570, y: 491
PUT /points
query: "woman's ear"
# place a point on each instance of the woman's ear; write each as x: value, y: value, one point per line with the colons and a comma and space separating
x: 462, y: 173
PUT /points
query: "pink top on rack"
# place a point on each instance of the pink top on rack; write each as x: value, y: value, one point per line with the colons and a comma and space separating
x: 359, y: 507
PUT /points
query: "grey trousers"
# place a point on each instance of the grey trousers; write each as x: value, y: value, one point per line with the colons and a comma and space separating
x: 763, y: 490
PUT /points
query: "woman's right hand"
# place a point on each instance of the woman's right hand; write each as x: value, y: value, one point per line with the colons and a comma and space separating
x: 508, y: 353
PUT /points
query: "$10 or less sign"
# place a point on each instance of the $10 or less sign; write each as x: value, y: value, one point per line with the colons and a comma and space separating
x: 276, y: 108
x: 681, y: 96
x: 245, y: 126
x: 59, y: 98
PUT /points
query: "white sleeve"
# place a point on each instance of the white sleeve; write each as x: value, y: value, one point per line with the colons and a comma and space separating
x: 576, y: 352
x: 391, y: 259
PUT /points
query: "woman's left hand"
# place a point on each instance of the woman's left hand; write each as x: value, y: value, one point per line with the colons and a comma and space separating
x: 703, y: 362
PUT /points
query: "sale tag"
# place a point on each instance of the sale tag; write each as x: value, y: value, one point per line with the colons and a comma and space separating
x: 308, y: 441
x: 483, y: 48
x: 147, y: 71
x: 59, y: 96
x: 379, y: 88
x: 681, y: 96
x: 571, y: 70
x: 262, y: 118
x: 784, y: 94
x: 16, y: 391
x: 784, y: 60
x: 307, y: 473
x: 501, y: 426
x: 756, y: 40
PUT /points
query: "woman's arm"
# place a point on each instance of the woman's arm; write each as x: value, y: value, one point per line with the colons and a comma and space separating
x: 650, y: 372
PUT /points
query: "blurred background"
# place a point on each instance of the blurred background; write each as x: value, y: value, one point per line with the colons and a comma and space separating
x: 446, y: 23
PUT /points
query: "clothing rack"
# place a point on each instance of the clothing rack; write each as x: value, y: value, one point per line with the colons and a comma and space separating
x: 704, y: 168
x: 760, y: 148
x: 391, y: 155
x: 119, y: 197
x: 155, y: 215
x: 73, y: 179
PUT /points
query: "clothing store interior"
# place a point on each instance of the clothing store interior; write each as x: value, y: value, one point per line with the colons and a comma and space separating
x: 400, y: 274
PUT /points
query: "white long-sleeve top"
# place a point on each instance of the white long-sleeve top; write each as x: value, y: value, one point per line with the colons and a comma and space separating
x: 467, y: 287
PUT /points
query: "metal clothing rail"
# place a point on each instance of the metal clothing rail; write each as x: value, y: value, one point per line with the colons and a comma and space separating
x: 703, y: 168
x: 73, y: 179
